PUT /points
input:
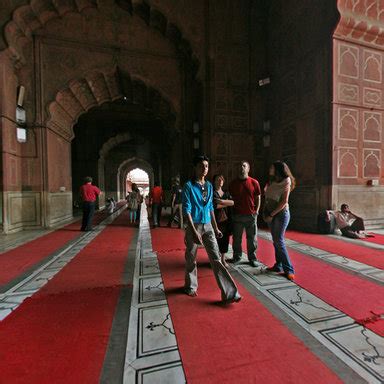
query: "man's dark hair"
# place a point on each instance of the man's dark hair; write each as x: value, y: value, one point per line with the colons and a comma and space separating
x: 198, y: 159
x: 156, y: 183
x: 343, y: 206
x: 88, y: 179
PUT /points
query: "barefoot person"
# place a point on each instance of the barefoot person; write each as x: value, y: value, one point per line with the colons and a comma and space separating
x: 202, y: 230
x: 276, y: 214
x: 350, y: 225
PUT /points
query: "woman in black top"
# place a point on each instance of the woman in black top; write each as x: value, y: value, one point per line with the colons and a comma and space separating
x: 222, y: 201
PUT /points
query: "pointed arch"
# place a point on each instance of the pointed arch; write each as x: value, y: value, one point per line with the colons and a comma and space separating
x: 26, y: 19
x: 99, y: 87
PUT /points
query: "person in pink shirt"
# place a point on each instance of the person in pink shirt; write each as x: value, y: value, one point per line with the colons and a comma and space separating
x: 88, y: 193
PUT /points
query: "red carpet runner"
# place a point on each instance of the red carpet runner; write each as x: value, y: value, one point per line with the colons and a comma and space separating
x: 360, y: 253
x: 60, y: 335
x: 17, y: 261
x: 241, y: 343
x: 355, y: 296
x: 377, y: 239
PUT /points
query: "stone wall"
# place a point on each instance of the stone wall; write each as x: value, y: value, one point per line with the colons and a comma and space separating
x: 299, y: 109
x: 358, y: 94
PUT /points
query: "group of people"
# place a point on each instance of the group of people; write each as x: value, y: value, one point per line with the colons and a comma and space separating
x: 210, y: 222
x: 212, y: 215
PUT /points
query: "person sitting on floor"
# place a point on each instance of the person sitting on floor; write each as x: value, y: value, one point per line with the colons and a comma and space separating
x: 350, y: 225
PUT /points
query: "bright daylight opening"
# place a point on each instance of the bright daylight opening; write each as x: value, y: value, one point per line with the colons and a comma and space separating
x: 140, y: 178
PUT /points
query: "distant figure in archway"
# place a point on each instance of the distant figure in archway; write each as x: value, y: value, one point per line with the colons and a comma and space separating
x: 156, y: 200
x: 133, y: 203
x: 88, y: 193
x: 111, y: 205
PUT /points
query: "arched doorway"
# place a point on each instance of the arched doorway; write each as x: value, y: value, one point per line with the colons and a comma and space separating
x: 139, y: 177
x: 73, y: 69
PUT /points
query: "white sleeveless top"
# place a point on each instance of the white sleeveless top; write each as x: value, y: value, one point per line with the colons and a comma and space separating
x: 276, y: 190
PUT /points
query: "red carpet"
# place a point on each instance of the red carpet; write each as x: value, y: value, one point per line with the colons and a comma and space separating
x: 241, y: 343
x: 378, y: 239
x: 60, y: 335
x: 17, y: 261
x: 355, y: 296
x: 360, y: 253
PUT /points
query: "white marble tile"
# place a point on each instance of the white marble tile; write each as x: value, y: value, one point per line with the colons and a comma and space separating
x: 309, y: 307
x: 4, y: 313
x: 308, y: 249
x: 151, y: 289
x: 263, y: 279
x: 347, y: 263
x: 171, y: 373
x: 363, y: 346
x: 378, y: 275
x: 149, y: 267
x: 156, y: 331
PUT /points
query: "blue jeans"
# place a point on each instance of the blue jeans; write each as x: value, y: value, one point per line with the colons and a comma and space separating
x: 278, y: 226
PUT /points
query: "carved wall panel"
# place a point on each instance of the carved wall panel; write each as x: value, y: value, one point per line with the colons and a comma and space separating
x: 348, y: 124
x: 358, y: 110
x: 371, y: 163
x: 372, y: 127
x: 347, y: 163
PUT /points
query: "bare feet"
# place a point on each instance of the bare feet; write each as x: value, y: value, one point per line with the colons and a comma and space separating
x: 190, y: 292
x: 226, y: 265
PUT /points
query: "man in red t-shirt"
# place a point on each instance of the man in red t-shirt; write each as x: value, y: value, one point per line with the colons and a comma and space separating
x: 157, y: 198
x: 88, y: 193
x: 245, y: 192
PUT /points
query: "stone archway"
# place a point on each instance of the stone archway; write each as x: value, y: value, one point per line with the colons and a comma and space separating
x: 93, y: 93
x: 28, y: 18
x: 85, y: 83
x: 127, y: 166
x: 100, y: 87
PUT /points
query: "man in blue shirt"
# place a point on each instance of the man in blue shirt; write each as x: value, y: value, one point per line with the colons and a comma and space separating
x: 198, y: 209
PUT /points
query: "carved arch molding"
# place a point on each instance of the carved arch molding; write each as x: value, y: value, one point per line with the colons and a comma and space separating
x: 100, y: 87
x: 29, y: 18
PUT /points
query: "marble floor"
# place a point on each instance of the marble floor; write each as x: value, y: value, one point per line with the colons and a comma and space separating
x: 148, y: 348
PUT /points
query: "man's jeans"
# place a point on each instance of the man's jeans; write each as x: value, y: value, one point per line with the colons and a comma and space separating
x: 88, y: 211
x: 249, y: 223
x: 278, y: 226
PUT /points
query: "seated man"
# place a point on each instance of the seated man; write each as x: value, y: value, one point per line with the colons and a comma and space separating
x: 349, y: 224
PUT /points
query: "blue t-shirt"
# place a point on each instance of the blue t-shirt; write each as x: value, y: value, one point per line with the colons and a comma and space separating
x: 197, y: 200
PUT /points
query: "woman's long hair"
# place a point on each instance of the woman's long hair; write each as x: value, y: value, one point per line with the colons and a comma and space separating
x: 282, y: 171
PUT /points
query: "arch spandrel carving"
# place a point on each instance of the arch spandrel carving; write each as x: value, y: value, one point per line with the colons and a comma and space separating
x: 93, y: 90
x: 28, y: 19
x: 361, y: 21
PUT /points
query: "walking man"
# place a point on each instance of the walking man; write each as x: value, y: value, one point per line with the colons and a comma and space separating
x: 202, y: 230
x: 88, y: 193
x: 245, y: 192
